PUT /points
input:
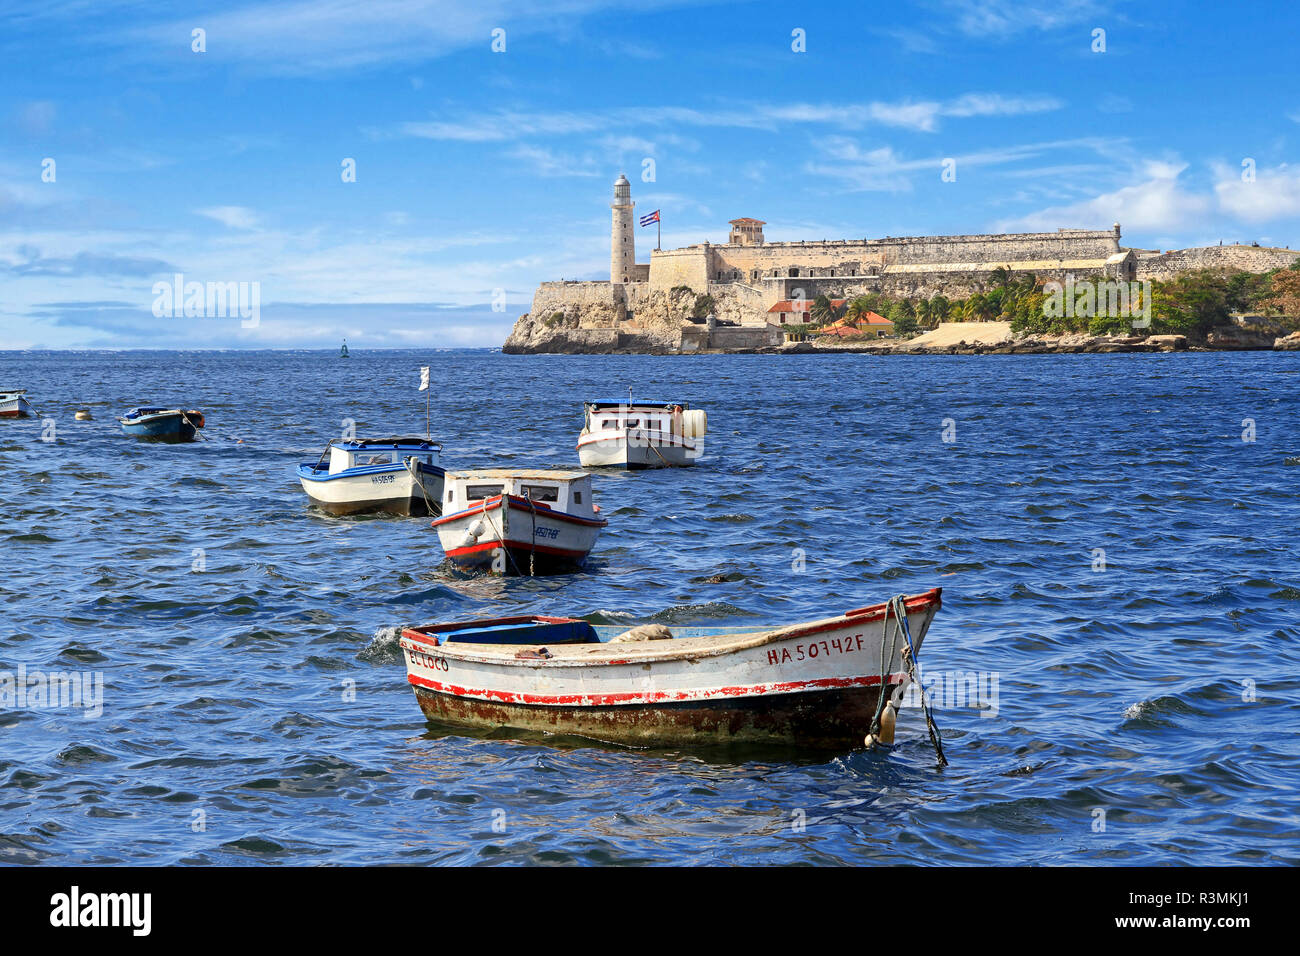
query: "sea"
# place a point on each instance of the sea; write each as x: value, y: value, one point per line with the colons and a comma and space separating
x: 1114, y: 670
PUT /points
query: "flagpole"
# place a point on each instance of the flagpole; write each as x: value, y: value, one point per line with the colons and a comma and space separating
x: 659, y: 229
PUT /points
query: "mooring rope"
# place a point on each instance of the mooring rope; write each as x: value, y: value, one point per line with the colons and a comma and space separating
x: 413, y: 466
x: 652, y: 447
x: 198, y: 432
x: 532, y: 546
x: 897, y: 607
x: 909, y: 659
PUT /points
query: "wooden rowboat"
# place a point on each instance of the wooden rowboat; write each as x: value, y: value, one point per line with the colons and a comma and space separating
x: 816, y: 684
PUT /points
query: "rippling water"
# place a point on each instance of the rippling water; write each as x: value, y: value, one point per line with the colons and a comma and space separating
x: 1141, y: 704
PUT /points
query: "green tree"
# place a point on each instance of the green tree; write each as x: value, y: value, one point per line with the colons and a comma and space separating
x: 903, y: 317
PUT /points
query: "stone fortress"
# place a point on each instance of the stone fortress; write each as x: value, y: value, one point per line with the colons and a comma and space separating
x: 648, y: 307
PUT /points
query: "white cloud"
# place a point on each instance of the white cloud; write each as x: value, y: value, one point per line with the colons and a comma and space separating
x: 1274, y: 194
x: 1007, y: 17
x: 922, y: 116
x: 1156, y: 204
x: 233, y: 217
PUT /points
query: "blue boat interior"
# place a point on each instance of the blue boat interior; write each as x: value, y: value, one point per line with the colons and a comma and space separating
x: 561, y: 632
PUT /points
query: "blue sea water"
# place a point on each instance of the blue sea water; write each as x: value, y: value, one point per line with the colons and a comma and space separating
x: 1119, y: 566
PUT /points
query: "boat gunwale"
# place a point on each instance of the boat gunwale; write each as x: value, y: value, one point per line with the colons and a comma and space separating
x: 542, y: 509
x: 601, y: 655
x: 312, y: 473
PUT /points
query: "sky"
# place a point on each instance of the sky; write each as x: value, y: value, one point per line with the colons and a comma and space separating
x: 485, y: 138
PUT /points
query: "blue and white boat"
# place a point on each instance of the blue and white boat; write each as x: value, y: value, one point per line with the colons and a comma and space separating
x: 162, y: 424
x: 400, y: 476
x: 14, y: 404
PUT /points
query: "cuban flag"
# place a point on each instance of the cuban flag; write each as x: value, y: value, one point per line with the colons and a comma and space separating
x: 652, y: 217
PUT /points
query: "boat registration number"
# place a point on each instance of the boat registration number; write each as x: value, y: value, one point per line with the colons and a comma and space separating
x: 826, y: 648
x: 382, y: 479
x: 551, y: 533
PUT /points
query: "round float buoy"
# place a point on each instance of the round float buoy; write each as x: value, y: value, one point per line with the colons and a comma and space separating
x: 83, y: 415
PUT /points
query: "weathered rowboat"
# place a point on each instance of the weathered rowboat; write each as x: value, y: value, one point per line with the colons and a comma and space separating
x: 162, y: 424
x: 626, y: 434
x: 522, y: 522
x: 396, y: 475
x: 816, y: 684
x: 14, y: 404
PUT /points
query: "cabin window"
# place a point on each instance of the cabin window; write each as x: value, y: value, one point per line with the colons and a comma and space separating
x: 451, y: 496
x: 577, y: 497
x: 633, y: 422
x: 542, y: 492
x: 375, y: 458
x: 479, y: 492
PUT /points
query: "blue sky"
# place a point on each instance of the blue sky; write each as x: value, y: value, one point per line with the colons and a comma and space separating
x: 481, y: 173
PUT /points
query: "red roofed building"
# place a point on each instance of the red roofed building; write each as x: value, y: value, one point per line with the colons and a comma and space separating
x: 795, y: 311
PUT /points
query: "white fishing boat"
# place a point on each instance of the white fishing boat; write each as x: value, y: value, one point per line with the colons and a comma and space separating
x: 518, y: 522
x: 400, y: 476
x: 834, y: 682
x: 14, y: 404
x: 626, y: 434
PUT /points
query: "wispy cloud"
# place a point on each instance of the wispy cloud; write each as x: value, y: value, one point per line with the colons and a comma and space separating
x: 1158, y: 202
x: 233, y: 217
x: 1008, y: 17
x: 918, y: 115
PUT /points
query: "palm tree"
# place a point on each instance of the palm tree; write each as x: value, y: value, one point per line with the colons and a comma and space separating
x: 924, y: 312
x: 939, y: 308
x: 821, y: 311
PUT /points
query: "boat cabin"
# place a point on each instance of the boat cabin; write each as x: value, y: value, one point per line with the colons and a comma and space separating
x: 369, y: 453
x: 653, y: 417
x: 566, y: 491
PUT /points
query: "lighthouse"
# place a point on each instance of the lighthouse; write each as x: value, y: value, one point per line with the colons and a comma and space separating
x: 622, y: 242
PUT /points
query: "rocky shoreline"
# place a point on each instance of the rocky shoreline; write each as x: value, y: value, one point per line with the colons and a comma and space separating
x: 983, y: 339
x: 1059, y: 345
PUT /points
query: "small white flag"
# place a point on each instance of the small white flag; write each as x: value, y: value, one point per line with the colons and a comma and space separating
x: 424, y: 377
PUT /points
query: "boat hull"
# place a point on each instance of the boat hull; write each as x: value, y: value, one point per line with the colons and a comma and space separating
x: 164, y: 428
x: 816, y: 685
x: 638, y: 450
x: 16, y: 407
x: 510, y: 538
x: 827, y: 719
x: 394, y: 490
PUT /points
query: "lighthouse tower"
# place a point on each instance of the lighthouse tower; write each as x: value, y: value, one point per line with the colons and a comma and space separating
x: 622, y: 244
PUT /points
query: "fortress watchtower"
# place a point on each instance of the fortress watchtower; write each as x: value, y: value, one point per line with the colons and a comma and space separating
x: 746, y: 232
x: 622, y: 242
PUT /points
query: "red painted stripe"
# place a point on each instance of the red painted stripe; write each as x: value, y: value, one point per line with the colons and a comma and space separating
x: 655, y: 697
x: 875, y: 612
x: 516, y: 545
x: 493, y: 504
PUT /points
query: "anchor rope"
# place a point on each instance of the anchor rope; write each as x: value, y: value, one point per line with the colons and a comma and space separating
x: 532, y: 546
x: 651, y: 446
x: 501, y: 534
x: 198, y: 432
x: 897, y: 607
x: 414, y: 468
x: 909, y: 659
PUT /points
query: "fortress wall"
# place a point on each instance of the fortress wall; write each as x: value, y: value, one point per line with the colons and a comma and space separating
x: 858, y: 257
x: 739, y: 302
x: 1248, y: 258
x: 595, y: 304
x: 674, y: 267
